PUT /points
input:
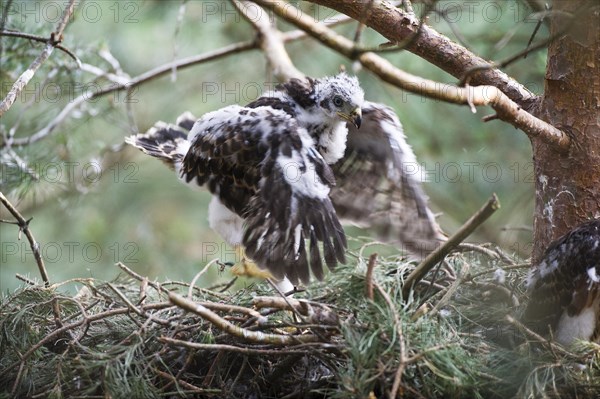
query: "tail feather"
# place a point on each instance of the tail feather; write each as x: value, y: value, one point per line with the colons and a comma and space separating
x: 166, y: 142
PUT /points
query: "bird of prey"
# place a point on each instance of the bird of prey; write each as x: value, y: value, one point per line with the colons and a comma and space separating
x: 564, y: 286
x: 285, y: 168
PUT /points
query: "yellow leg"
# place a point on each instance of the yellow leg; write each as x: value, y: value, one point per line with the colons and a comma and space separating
x: 246, y: 267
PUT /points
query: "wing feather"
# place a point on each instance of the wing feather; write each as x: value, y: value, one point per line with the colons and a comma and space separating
x: 293, y: 203
x: 379, y: 183
x: 565, y: 279
x: 263, y: 166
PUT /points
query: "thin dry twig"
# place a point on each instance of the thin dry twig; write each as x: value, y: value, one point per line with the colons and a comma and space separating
x: 554, y: 347
x: 396, y: 25
x: 210, y: 305
x: 151, y: 75
x: 509, y: 294
x: 90, y: 319
x: 574, y: 18
x: 526, y: 265
x: 469, y: 247
x: 224, y: 325
x: 198, y: 275
x: 182, y: 383
x: 25, y: 280
x: 466, y: 229
x: 41, y: 39
x: 231, y: 348
x: 369, y: 275
x: 23, y: 80
x: 24, y: 227
x: 464, y: 273
x: 270, y: 41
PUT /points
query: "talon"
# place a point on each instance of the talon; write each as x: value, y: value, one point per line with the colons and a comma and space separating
x: 246, y: 267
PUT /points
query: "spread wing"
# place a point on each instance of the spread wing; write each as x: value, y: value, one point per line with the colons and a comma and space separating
x: 379, y: 183
x: 566, y: 279
x: 264, y: 167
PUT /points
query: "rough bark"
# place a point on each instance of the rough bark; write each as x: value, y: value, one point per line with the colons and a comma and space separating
x: 397, y: 25
x: 568, y: 185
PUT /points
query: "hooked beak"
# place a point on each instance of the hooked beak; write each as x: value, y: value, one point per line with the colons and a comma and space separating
x: 355, y: 117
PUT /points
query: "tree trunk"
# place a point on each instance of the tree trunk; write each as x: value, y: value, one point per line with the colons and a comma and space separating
x: 567, y: 185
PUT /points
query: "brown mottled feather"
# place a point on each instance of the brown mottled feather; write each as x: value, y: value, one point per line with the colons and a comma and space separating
x: 561, y: 281
x: 378, y: 184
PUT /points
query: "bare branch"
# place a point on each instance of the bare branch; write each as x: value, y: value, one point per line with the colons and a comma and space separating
x: 151, y: 75
x: 369, y: 275
x: 270, y: 41
x: 55, y: 39
x: 466, y: 229
x: 138, y: 80
x: 231, y: 348
x: 573, y: 19
x: 552, y: 345
x: 396, y: 25
x: 24, y: 227
x: 224, y: 325
x: 10, y: 33
x: 506, y: 109
x: 90, y: 319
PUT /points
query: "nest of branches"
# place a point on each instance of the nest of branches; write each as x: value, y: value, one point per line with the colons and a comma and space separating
x: 353, y: 335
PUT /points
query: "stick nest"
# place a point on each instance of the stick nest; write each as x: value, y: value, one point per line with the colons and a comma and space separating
x: 351, y: 336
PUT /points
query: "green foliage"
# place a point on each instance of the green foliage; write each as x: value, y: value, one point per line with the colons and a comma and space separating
x: 80, y: 177
x: 467, y: 349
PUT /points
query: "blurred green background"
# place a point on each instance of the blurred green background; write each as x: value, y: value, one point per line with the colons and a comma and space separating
x: 94, y: 202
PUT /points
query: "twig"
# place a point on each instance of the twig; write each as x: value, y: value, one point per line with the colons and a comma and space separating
x: 534, y: 33
x: 464, y: 273
x: 25, y: 279
x: 468, y: 247
x: 197, y: 276
x: 466, y: 229
x: 291, y: 304
x: 510, y: 267
x: 134, y: 308
x: 507, y: 110
x: 210, y: 305
x: 94, y: 70
x: 98, y: 316
x: 41, y: 39
x: 312, y: 311
x: 553, y: 346
x: 228, y: 308
x: 23, y: 80
x: 575, y: 18
x: 499, y: 288
x: 224, y: 325
x: 405, y: 42
x: 270, y: 42
x: 184, y: 384
x: 138, y: 80
x: 369, y: 276
x: 396, y: 25
x: 24, y: 227
x: 151, y: 75
x: 231, y: 348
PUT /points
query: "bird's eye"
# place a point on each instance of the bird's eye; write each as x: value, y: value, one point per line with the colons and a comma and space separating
x: 338, y: 101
